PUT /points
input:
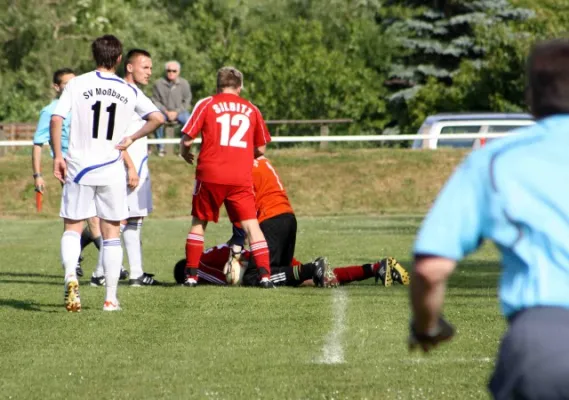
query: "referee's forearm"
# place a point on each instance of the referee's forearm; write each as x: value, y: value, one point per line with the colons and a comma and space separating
x: 427, y: 302
x: 36, y: 159
x: 428, y: 285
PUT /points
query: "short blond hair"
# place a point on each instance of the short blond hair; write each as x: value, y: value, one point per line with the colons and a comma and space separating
x: 229, y: 77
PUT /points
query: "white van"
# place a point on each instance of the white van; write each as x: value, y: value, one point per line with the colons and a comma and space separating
x: 436, y: 126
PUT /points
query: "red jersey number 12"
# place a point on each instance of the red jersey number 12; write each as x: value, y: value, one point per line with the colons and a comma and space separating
x: 227, y: 121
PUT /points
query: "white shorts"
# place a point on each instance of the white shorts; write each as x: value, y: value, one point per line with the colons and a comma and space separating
x: 140, y: 200
x: 79, y: 202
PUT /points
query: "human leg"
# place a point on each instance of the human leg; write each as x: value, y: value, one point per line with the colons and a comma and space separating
x: 206, y: 200
x: 77, y: 205
x: 194, y: 250
x: 112, y: 261
x: 112, y: 208
x: 280, y: 234
x: 259, y: 248
x: 132, y: 236
x: 159, y: 134
x: 183, y: 117
x: 70, y: 251
x: 533, y: 360
x: 386, y: 271
x: 240, y: 206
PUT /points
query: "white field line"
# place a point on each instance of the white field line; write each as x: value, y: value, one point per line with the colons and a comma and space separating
x: 459, y: 360
x: 333, y: 351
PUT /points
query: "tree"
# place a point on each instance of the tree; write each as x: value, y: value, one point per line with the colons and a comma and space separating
x: 436, y: 39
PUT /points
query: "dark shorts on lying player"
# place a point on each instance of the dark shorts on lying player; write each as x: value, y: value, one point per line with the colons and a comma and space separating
x: 280, y: 234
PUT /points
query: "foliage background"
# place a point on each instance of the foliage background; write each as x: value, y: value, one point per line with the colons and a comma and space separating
x: 385, y: 64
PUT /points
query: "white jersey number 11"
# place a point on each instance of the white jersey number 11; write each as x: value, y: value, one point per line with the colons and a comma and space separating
x: 97, y: 114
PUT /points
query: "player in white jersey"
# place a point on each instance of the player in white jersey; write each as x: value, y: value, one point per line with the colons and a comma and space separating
x: 138, y: 69
x: 101, y: 106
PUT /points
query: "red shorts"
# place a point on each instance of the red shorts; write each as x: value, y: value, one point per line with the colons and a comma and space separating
x: 208, y: 197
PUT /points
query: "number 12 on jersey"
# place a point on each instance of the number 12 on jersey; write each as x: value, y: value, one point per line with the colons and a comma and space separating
x: 96, y: 116
x: 227, y: 121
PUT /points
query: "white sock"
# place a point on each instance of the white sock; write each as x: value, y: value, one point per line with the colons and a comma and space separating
x: 70, y: 252
x: 132, y: 242
x: 112, y: 259
x: 99, y: 269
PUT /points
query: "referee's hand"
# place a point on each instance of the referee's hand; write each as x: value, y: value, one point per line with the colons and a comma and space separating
x: 429, y: 340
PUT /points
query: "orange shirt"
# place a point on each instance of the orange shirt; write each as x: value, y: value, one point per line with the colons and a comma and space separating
x: 270, y: 196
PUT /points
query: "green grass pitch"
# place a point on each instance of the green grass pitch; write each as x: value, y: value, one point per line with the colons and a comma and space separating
x: 238, y: 343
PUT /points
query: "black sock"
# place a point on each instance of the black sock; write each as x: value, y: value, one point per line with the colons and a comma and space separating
x: 86, y: 238
x: 293, y: 276
x: 305, y: 271
x: 98, y: 242
x: 193, y: 272
x: 368, y: 270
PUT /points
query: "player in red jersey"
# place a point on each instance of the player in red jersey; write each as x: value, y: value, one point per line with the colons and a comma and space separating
x: 233, y: 134
x: 213, y: 261
x: 278, y: 223
x: 274, y: 212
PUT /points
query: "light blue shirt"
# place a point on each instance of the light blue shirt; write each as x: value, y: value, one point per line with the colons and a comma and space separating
x: 41, y: 136
x: 515, y: 192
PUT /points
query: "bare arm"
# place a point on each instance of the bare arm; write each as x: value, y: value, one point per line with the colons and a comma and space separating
x: 428, y: 285
x: 259, y: 151
x: 132, y: 176
x: 55, y: 129
x: 59, y: 166
x: 39, y: 183
x: 185, y: 149
x: 153, y: 122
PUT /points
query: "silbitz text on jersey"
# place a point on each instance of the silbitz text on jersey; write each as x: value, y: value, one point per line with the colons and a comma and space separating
x: 231, y: 106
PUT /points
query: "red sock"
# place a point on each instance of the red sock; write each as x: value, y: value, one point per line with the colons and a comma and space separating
x: 355, y: 273
x: 194, y: 250
x: 260, y: 252
x: 295, y: 262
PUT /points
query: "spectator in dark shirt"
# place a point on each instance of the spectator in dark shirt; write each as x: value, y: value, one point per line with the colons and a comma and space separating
x: 172, y: 95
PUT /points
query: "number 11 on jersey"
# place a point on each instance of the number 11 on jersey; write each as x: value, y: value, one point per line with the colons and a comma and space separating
x: 97, y: 114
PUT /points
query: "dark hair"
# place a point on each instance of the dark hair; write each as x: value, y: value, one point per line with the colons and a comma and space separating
x: 106, y: 51
x: 229, y: 77
x: 548, y: 78
x: 132, y: 54
x: 57, y: 75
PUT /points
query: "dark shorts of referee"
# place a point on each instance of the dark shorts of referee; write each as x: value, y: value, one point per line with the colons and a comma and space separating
x: 533, y: 361
x: 280, y: 234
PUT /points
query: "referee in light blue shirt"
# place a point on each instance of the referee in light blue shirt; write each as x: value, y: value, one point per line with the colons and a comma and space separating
x: 515, y: 192
x: 41, y: 136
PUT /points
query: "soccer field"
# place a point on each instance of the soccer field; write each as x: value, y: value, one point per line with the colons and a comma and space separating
x: 238, y: 343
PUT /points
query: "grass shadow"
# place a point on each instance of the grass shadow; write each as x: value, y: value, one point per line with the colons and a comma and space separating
x: 32, y: 282
x: 26, y: 305
x: 29, y: 274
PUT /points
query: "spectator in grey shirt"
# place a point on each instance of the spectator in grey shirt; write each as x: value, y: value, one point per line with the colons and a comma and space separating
x: 172, y: 95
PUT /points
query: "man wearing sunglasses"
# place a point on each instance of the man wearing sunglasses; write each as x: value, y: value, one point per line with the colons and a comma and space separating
x: 172, y: 95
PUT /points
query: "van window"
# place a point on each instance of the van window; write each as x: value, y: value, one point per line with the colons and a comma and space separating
x: 502, y: 128
x: 467, y: 143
